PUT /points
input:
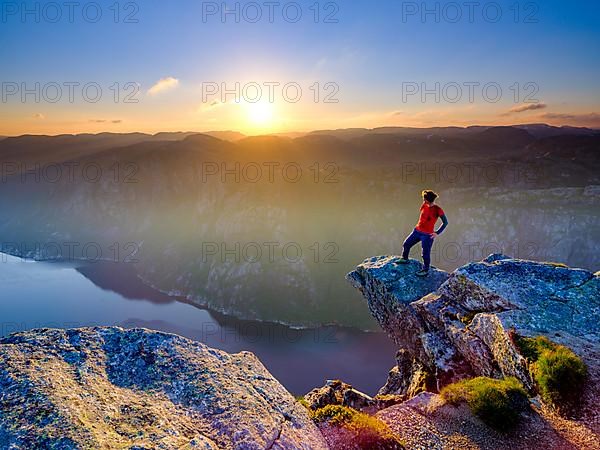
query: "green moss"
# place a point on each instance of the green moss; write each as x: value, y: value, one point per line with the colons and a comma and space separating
x: 497, y: 402
x: 300, y: 399
x: 369, y: 432
x: 559, y: 373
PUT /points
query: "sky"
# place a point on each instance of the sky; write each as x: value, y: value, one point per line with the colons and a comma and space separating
x: 267, y: 67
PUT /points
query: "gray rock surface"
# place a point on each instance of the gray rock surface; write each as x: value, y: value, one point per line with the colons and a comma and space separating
x: 457, y: 325
x: 94, y: 388
x: 531, y: 296
x: 390, y: 288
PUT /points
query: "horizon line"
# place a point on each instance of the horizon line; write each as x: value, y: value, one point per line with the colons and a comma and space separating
x: 300, y: 132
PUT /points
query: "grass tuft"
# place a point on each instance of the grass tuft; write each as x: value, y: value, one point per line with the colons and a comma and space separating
x: 498, y: 403
x: 559, y: 373
x: 335, y: 414
x: 532, y: 348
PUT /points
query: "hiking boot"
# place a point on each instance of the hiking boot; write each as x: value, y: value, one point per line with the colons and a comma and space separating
x: 402, y: 261
x: 422, y: 273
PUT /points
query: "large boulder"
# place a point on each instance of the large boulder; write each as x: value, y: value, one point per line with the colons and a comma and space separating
x: 461, y: 323
x: 533, y: 297
x: 112, y: 388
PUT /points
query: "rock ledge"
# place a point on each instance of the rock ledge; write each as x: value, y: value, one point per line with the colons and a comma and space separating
x: 113, y: 388
x: 452, y: 326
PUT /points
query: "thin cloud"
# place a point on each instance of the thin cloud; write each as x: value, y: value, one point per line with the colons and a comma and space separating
x: 162, y: 85
x: 39, y: 116
x: 567, y: 116
x: 587, y: 119
x: 105, y: 121
x: 526, y: 107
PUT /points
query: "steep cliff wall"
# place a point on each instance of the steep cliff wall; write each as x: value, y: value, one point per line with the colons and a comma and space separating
x: 450, y: 326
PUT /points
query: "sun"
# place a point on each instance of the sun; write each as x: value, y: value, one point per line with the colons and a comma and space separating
x: 260, y: 114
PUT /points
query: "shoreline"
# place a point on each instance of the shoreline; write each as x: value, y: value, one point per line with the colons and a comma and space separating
x: 223, y: 317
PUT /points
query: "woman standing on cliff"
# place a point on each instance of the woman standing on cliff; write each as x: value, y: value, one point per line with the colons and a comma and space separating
x: 424, y: 231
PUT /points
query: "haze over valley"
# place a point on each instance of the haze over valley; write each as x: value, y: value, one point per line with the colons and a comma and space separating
x: 265, y: 227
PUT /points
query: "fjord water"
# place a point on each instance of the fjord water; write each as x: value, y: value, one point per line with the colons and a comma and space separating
x: 73, y: 294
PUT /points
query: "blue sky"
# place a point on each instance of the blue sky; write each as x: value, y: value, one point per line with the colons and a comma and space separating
x: 369, y: 53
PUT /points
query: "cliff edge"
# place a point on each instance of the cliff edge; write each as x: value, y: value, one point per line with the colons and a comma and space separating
x: 456, y: 325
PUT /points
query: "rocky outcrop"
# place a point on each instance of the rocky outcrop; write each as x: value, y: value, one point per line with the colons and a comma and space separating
x: 453, y: 326
x: 532, y: 297
x: 336, y: 392
x: 112, y: 388
x: 390, y: 288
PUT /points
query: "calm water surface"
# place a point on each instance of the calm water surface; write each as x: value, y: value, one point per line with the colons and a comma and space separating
x: 64, y: 295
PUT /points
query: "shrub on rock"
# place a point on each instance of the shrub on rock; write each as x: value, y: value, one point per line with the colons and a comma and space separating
x: 498, y: 403
x: 359, y: 430
x: 558, y: 372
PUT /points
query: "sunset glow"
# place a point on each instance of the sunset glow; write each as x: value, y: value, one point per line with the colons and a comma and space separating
x: 356, y: 65
x: 260, y: 114
x: 299, y: 225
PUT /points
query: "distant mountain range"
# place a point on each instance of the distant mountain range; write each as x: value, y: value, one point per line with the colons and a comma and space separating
x: 198, y: 208
x: 537, y: 130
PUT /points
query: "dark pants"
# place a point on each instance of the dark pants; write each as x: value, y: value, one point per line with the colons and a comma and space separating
x: 426, y: 243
